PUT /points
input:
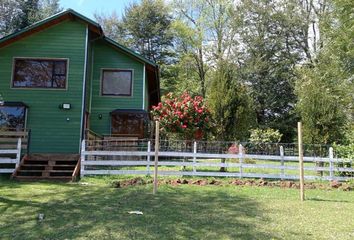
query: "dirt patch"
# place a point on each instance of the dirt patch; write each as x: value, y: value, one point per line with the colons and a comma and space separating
x: 237, y: 182
x: 130, y: 182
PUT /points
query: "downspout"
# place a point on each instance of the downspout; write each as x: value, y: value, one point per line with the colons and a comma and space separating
x: 82, y: 129
x: 144, y: 69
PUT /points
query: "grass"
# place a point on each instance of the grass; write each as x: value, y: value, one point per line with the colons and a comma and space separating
x: 92, y: 209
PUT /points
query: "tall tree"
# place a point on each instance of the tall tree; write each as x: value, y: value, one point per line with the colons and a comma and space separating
x: 325, y: 88
x: 144, y: 27
x: 191, y: 29
x: 15, y: 15
x: 268, y: 57
x: 230, y: 103
x: 112, y: 26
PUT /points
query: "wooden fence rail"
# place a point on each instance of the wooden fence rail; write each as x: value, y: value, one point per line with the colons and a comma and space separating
x: 239, y: 164
x: 10, y: 157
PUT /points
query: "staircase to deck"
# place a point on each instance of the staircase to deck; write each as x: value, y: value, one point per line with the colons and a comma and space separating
x: 64, y: 167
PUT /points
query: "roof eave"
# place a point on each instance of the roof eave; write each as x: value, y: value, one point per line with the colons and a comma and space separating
x: 130, y: 52
x: 59, y: 17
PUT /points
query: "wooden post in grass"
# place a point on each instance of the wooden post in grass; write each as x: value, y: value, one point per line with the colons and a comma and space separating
x: 281, y: 150
x: 331, y: 175
x: 148, y: 157
x: 301, y: 161
x: 194, y: 157
x: 157, y: 143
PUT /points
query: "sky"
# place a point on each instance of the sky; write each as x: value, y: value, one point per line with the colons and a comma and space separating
x: 89, y: 7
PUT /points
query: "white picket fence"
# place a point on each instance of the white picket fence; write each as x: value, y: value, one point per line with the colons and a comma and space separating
x: 10, y: 156
x: 103, y: 162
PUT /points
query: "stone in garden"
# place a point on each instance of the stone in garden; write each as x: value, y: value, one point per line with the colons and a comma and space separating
x: 335, y: 184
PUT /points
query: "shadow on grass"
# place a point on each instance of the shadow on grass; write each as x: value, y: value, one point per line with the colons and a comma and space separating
x: 326, y: 200
x: 96, y: 212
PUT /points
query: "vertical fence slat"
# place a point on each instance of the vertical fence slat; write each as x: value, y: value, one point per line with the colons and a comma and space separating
x: 18, y: 155
x: 82, y: 158
x: 281, y: 150
x: 148, y: 157
x: 331, y: 163
x: 194, y: 157
x: 241, y: 156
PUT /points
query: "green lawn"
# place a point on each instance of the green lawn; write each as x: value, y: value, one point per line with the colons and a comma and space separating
x: 94, y: 210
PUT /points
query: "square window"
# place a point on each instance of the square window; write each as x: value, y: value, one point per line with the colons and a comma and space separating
x: 117, y: 82
x: 12, y: 117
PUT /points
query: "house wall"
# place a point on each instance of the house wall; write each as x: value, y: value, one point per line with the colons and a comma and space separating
x: 52, y: 130
x: 106, y: 56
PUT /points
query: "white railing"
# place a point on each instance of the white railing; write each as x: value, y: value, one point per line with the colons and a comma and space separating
x: 239, y: 164
x: 10, y: 156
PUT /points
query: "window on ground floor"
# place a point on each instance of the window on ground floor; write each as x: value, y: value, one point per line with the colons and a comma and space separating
x: 129, y: 123
x: 116, y: 82
x: 12, y: 116
x: 40, y: 73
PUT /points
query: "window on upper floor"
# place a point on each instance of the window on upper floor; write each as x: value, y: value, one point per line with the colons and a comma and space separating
x: 40, y: 73
x: 116, y: 82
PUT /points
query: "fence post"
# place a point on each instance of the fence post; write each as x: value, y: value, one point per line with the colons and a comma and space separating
x: 240, y: 152
x: 157, y: 143
x: 301, y: 161
x: 148, y: 157
x: 281, y: 150
x: 82, y: 159
x: 194, y: 157
x: 18, y: 155
x: 331, y: 163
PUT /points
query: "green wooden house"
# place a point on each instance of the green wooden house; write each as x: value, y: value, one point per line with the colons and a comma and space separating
x: 62, y: 76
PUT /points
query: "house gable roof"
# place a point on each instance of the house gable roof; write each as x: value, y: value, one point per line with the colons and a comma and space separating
x: 128, y: 51
x: 48, y: 22
x: 60, y: 17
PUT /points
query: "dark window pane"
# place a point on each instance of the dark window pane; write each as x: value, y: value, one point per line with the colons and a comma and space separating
x: 12, y: 118
x: 117, y: 82
x: 128, y: 124
x: 38, y: 73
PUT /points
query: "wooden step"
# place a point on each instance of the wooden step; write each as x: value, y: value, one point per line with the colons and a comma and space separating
x: 44, y: 165
x: 49, y: 171
x: 54, y: 157
x: 47, y: 167
x: 52, y: 160
x: 38, y: 178
x: 50, y: 163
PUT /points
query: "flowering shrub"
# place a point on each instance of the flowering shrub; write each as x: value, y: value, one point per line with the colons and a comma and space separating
x: 183, y: 115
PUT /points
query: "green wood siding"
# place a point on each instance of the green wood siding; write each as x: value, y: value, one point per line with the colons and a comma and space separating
x: 88, y: 77
x: 105, y: 56
x: 51, y: 131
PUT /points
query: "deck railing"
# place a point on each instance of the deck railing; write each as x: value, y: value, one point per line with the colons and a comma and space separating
x: 8, y: 139
x: 10, y: 157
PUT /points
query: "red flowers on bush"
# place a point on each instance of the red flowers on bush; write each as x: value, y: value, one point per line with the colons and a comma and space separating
x: 184, y: 115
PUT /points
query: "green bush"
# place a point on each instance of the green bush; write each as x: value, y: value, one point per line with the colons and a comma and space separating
x: 267, y: 135
x: 346, y: 152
